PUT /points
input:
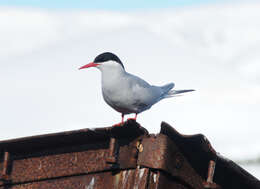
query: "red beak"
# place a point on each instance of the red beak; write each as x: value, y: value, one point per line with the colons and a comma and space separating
x: 91, y: 64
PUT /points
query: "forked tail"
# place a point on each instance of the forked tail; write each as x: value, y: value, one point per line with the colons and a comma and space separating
x: 173, y: 92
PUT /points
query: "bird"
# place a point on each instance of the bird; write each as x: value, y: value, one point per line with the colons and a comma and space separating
x: 125, y: 92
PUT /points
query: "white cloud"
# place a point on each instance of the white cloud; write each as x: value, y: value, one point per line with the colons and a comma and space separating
x: 213, y: 49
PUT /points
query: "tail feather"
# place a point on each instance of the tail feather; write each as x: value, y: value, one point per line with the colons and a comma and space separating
x: 169, y: 92
x: 166, y: 88
x: 172, y: 93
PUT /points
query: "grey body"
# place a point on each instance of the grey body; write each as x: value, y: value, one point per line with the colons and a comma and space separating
x: 127, y: 93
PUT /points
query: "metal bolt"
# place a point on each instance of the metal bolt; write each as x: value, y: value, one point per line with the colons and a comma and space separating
x: 139, y: 146
x: 111, y: 155
x: 4, y: 174
x: 211, y: 170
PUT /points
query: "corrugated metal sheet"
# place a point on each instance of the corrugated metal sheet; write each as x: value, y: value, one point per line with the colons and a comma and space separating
x: 124, y: 157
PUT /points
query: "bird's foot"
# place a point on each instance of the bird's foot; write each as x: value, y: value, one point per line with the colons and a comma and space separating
x: 121, y: 123
x: 131, y: 119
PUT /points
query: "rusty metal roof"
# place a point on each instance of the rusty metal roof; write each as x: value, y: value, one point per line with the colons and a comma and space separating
x: 198, y: 151
x: 68, y: 138
x: 118, y: 157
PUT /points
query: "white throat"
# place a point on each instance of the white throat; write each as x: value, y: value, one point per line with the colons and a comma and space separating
x: 111, y: 70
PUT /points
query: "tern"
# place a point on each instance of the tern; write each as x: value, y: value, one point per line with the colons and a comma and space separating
x: 125, y: 92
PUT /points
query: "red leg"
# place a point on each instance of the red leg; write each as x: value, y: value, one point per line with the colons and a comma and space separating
x: 122, y: 121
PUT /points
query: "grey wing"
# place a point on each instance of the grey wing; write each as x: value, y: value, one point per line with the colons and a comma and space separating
x: 144, y: 94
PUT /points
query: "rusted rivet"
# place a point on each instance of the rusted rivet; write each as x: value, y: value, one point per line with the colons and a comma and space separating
x: 111, y: 154
x: 211, y: 169
x: 139, y: 146
x: 4, y: 175
x: 112, y: 146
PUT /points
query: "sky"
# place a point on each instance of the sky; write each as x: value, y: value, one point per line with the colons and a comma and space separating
x: 105, y: 5
x: 210, y: 47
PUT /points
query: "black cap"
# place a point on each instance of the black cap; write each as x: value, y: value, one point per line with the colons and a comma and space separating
x: 107, y: 56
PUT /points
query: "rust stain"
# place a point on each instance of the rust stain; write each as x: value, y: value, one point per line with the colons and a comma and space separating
x: 141, y: 178
x: 52, y: 166
x: 161, y: 153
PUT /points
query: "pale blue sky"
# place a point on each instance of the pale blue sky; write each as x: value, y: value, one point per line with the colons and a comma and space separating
x: 106, y: 5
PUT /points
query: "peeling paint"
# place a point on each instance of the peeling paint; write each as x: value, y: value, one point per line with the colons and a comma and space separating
x: 141, y: 173
x: 125, y: 178
x: 154, y: 178
x: 117, y: 180
x: 91, y: 184
x: 40, y: 165
x: 139, y: 178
